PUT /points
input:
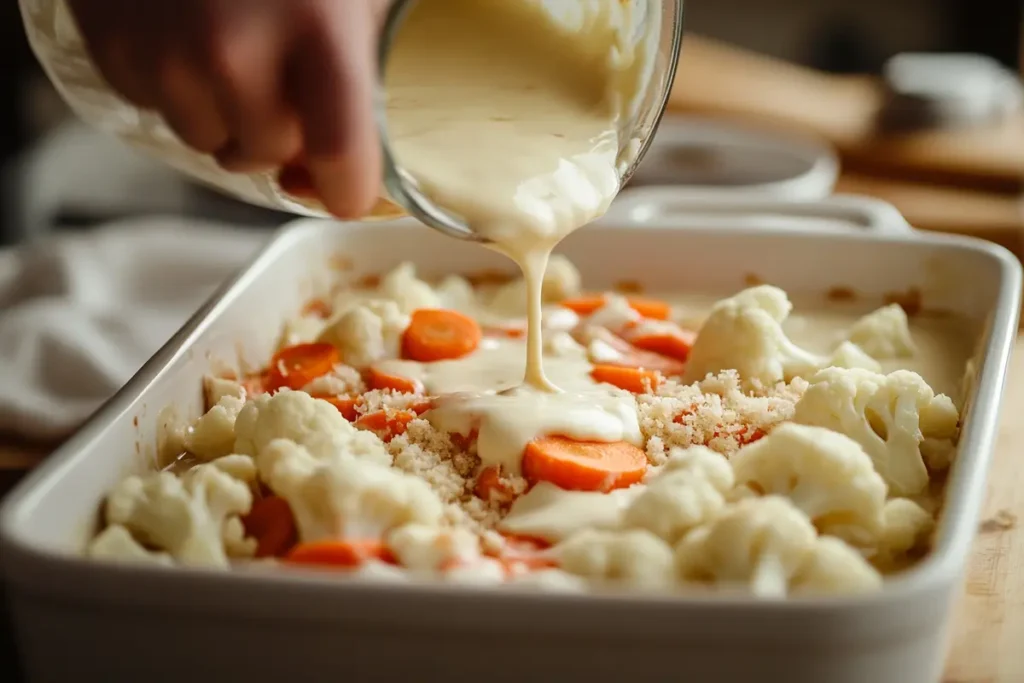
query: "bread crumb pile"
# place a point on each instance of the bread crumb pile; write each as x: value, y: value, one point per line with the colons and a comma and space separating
x: 718, y: 412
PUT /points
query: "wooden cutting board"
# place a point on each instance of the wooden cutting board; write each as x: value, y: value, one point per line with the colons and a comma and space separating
x: 715, y: 78
x: 968, y: 181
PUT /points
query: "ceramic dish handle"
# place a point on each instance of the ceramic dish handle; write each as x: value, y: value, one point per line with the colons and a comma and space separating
x: 675, y: 207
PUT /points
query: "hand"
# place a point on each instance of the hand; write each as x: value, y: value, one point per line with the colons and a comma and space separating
x: 256, y: 83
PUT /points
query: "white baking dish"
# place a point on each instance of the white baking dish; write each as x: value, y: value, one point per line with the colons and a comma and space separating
x: 78, y: 620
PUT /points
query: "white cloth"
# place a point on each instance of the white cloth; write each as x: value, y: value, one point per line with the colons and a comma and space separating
x: 81, y: 313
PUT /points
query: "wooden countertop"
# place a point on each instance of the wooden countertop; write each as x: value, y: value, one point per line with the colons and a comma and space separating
x: 989, y: 629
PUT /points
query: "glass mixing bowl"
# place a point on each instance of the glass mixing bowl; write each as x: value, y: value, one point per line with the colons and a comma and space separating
x: 55, y: 39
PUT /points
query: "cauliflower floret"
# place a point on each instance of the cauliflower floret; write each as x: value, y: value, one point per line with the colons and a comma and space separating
x: 457, y: 293
x: 241, y: 467
x: 216, y: 388
x: 236, y: 543
x: 834, y: 568
x: 827, y: 475
x: 703, y: 461
x: 316, y: 425
x: 115, y: 544
x: 673, y: 504
x: 380, y: 572
x: 636, y: 557
x: 562, y: 280
x: 550, y: 580
x: 849, y: 355
x: 185, y: 516
x: 906, y: 527
x: 341, y: 381
x: 345, y: 497
x: 301, y: 330
x: 484, y: 572
x: 562, y: 345
x: 428, y: 548
x: 553, y: 514
x: 884, y: 334
x: 213, y: 434
x: 744, y: 333
x: 888, y: 415
x: 368, y: 332
x: 759, y: 542
x: 616, y: 314
x: 405, y: 289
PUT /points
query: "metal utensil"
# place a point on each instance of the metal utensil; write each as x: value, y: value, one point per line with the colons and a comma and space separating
x: 403, y: 188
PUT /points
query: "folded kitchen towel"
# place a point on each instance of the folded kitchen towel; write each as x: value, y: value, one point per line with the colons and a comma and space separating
x: 81, y: 313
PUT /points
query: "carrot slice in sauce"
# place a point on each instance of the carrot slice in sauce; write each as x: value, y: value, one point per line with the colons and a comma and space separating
x: 635, y: 380
x: 489, y: 486
x: 318, y: 308
x: 272, y: 524
x: 378, y: 379
x: 440, y: 334
x: 584, y: 465
x: 670, y: 344
x: 254, y: 385
x: 346, y: 405
x: 654, y: 309
x: 296, y: 366
x: 505, y: 332
x: 343, y: 554
x: 387, y: 425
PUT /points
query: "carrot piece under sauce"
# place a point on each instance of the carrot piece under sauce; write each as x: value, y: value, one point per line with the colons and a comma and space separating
x: 584, y: 465
x: 296, y: 366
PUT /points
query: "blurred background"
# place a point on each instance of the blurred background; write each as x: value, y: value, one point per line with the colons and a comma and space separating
x: 42, y: 155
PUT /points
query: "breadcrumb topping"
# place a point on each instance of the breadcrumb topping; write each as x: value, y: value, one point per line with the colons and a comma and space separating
x: 715, y: 412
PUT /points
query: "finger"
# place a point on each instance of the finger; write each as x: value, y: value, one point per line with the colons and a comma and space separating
x: 333, y: 76
x: 247, y: 66
x: 118, y: 57
x: 189, y: 107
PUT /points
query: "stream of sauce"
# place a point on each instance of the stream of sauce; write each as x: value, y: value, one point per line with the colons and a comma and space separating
x: 529, y: 154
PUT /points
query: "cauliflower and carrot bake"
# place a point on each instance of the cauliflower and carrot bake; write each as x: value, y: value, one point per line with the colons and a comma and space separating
x: 752, y: 448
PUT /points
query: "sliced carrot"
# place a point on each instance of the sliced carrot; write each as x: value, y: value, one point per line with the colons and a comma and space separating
x: 378, y: 379
x: 272, y: 524
x: 635, y: 380
x: 387, y: 425
x: 346, y: 405
x: 654, y: 309
x: 440, y: 334
x: 584, y: 465
x: 505, y: 332
x: 525, y: 553
x: 420, y: 407
x: 254, y: 385
x: 343, y: 554
x: 490, y: 487
x: 296, y: 366
x: 645, y: 360
x: 670, y: 344
x: 318, y: 308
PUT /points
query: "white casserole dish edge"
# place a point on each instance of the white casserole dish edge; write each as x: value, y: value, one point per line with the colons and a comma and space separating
x: 131, y: 624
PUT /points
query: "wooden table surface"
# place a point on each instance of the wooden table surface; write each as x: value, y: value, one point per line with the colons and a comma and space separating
x: 989, y: 633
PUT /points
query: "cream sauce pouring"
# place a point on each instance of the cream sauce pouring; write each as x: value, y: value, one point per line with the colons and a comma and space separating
x: 530, y: 154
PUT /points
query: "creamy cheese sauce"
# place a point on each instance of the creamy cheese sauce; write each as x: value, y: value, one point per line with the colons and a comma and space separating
x: 529, y: 154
